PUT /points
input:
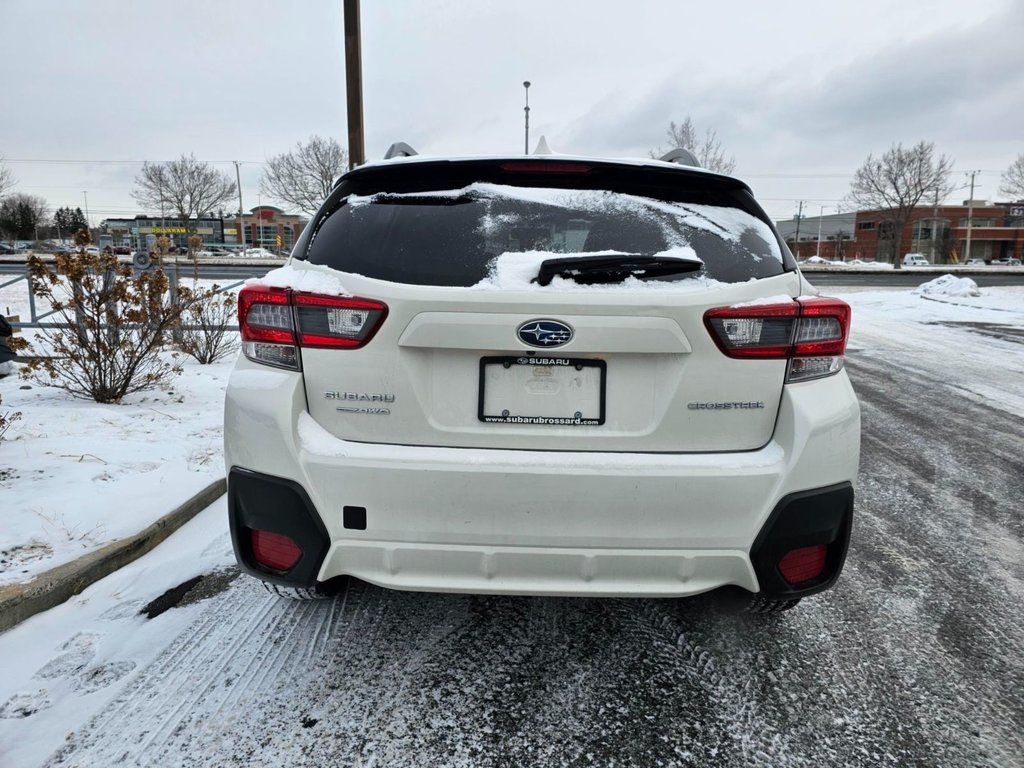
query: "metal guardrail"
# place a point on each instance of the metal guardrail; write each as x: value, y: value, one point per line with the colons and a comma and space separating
x: 36, y: 319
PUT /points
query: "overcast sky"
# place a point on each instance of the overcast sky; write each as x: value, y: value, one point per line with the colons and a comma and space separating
x: 799, y: 91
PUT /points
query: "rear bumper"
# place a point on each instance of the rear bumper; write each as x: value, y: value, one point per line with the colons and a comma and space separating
x: 540, y: 522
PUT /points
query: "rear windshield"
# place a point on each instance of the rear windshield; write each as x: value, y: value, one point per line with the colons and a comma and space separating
x: 459, y: 237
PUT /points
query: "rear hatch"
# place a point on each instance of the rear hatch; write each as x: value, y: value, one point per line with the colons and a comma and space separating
x: 542, y: 304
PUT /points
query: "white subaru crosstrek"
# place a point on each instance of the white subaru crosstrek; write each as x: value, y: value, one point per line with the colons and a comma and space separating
x: 542, y: 376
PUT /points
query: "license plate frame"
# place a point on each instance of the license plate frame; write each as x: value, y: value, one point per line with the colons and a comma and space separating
x: 532, y: 361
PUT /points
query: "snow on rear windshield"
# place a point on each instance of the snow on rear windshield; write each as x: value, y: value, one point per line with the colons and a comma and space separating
x: 455, y: 237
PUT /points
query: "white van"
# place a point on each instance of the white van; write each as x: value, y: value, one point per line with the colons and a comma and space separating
x: 915, y: 260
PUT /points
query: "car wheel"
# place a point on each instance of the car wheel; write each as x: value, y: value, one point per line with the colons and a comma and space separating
x: 759, y: 604
x: 734, y: 600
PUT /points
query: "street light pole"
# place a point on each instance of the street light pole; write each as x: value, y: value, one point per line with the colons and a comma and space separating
x: 526, y: 111
x: 88, y: 224
x: 970, y: 216
x: 240, y: 233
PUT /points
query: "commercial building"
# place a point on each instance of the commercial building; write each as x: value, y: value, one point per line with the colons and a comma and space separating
x: 262, y: 227
x: 210, y: 229
x: 945, y: 234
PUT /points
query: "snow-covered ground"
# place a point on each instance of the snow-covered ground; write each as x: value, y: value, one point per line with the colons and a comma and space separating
x: 72, y: 473
x: 75, y: 475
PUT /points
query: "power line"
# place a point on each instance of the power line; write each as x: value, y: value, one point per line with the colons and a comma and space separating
x: 123, y: 162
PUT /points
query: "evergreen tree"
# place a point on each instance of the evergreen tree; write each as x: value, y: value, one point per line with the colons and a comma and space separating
x: 78, y: 220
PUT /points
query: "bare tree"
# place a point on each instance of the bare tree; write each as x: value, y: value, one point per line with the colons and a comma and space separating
x: 189, y: 187
x: 708, y: 150
x: 304, y: 177
x: 897, y: 181
x: 1013, y: 180
x: 7, y: 180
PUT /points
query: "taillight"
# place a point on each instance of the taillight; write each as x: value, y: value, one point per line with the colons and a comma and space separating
x: 276, y: 322
x: 544, y: 166
x: 334, y: 321
x: 810, y: 332
x: 274, y: 550
x: 803, y: 564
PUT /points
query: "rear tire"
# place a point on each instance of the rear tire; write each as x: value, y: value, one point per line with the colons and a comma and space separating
x: 758, y: 604
x: 735, y: 600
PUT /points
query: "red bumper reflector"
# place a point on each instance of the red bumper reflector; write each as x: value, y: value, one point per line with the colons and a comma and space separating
x: 803, y: 564
x: 274, y: 550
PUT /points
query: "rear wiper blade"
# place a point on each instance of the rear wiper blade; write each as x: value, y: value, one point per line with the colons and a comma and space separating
x: 589, y: 270
x: 422, y: 199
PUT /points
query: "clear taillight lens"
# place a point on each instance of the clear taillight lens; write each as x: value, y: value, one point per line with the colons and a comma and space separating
x: 337, y: 321
x: 811, y: 333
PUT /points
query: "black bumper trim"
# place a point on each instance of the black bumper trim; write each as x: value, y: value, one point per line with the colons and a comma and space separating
x: 802, y: 519
x: 268, y: 503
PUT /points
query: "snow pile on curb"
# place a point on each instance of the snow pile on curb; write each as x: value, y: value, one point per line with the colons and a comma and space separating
x: 949, y: 285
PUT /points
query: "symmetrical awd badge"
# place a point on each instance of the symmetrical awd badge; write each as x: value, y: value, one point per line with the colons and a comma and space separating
x: 544, y: 333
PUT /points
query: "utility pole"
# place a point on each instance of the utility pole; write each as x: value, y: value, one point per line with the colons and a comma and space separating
x: 526, y: 111
x: 970, y: 215
x: 241, y: 229
x: 354, y: 85
x: 88, y: 223
x: 796, y: 237
x: 821, y: 213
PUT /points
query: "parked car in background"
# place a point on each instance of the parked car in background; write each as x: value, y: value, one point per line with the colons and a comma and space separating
x: 915, y: 260
x: 507, y: 376
x: 1006, y: 262
x: 975, y: 263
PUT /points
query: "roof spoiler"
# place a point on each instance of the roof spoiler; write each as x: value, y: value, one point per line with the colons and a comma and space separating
x: 680, y: 156
x: 399, y: 149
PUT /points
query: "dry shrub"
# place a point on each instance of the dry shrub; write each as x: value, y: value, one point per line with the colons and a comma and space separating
x: 205, y: 333
x: 113, y: 324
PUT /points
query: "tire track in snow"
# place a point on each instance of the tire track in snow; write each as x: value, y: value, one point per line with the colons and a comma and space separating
x: 915, y: 658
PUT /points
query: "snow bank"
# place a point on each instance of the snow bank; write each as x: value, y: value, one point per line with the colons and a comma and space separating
x: 949, y: 285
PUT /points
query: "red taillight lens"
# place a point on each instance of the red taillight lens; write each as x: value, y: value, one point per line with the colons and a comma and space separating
x: 275, y: 322
x: 803, y: 564
x: 543, y: 166
x: 810, y: 332
x: 336, y: 321
x: 824, y: 327
x: 274, y: 550
x: 264, y: 314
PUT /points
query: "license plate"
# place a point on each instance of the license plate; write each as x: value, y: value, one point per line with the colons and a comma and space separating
x: 548, y: 391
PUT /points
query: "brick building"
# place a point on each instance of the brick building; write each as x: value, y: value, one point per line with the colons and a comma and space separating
x: 263, y: 225
x: 940, y: 233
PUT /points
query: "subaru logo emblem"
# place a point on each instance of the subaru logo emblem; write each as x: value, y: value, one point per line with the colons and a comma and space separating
x: 544, y: 333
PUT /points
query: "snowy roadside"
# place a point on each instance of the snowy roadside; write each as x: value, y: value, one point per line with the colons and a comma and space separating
x: 58, y: 669
x: 75, y: 475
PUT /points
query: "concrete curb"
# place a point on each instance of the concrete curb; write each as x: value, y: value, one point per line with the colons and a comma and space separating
x: 53, y: 587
